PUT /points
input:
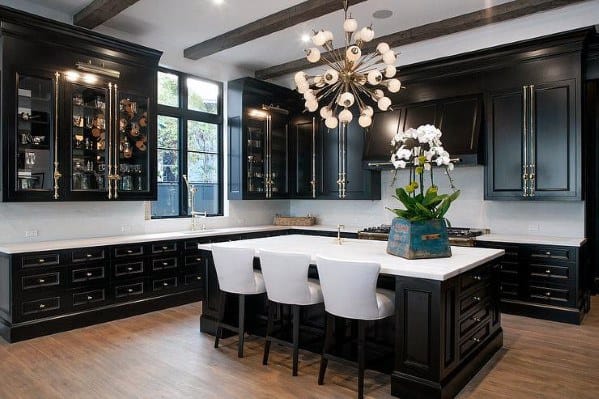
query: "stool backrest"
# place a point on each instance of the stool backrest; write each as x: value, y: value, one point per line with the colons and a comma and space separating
x: 349, y: 288
x: 286, y: 276
x: 234, y: 268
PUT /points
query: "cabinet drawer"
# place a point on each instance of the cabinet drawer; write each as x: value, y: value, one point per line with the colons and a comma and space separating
x: 164, y: 263
x: 193, y: 280
x: 549, y: 294
x: 549, y: 273
x: 88, y: 255
x: 39, y: 306
x: 90, y: 298
x: 508, y: 290
x: 553, y: 253
x: 40, y: 280
x: 472, y: 343
x: 165, y: 283
x: 193, y: 261
x: 128, y: 269
x: 129, y: 290
x: 511, y: 251
x: 129, y: 250
x: 476, y: 319
x: 476, y: 277
x: 49, y: 259
x: 88, y: 274
x: 474, y: 300
x: 164, y: 247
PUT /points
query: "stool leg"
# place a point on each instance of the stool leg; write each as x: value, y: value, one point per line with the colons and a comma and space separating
x: 241, y: 324
x: 269, y: 326
x: 361, y: 356
x: 296, y: 322
x: 220, y: 317
x: 330, y: 321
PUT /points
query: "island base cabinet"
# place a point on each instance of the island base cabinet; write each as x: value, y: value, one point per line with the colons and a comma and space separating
x: 445, y: 332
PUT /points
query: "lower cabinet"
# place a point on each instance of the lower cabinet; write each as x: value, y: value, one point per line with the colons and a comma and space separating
x: 544, y: 281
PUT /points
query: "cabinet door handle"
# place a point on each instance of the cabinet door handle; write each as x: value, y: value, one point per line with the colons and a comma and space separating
x: 56, y: 175
x: 476, y: 298
x: 199, y: 259
x: 41, y: 260
x: 477, y: 278
x: 113, y: 115
x: 42, y: 305
x: 198, y: 277
x: 42, y: 281
x: 88, y: 255
x: 130, y: 290
x: 476, y: 319
x: 476, y: 340
x: 533, y: 128
x: 89, y: 297
x: 548, y: 293
x: 525, y: 139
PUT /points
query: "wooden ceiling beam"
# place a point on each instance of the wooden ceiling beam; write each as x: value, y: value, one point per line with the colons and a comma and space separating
x: 100, y: 11
x: 476, y: 19
x: 283, y: 19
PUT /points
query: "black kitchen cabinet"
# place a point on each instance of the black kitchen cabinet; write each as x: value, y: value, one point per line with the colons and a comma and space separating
x: 303, y: 157
x: 80, y: 113
x: 341, y: 174
x: 259, y: 117
x: 534, y: 148
x: 544, y: 281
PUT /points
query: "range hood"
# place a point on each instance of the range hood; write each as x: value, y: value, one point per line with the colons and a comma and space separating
x: 459, y: 119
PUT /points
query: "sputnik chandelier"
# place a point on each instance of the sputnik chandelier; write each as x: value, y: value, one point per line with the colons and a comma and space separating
x: 350, y: 78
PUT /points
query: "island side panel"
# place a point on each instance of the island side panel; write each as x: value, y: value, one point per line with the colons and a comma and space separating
x: 445, y: 331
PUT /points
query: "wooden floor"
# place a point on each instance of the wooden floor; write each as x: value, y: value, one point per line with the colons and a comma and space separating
x: 163, y: 355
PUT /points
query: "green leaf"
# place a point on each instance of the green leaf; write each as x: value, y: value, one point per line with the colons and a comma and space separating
x: 404, y: 198
x: 424, y: 211
x: 443, y: 209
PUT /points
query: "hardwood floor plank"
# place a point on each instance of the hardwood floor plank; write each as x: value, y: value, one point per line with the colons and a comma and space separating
x: 163, y: 355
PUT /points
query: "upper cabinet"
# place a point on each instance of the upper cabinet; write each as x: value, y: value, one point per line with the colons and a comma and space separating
x: 534, y: 131
x: 80, y: 120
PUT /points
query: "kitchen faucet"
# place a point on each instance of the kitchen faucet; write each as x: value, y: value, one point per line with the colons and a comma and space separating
x: 339, y: 227
x: 195, y: 215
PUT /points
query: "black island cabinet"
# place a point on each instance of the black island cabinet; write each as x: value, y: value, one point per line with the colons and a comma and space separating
x: 79, y: 113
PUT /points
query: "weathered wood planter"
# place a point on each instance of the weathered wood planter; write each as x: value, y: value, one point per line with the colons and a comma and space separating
x: 419, y: 240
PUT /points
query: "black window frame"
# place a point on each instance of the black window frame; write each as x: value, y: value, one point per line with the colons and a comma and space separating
x: 183, y: 114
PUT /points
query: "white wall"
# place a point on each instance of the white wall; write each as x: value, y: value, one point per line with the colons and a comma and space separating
x: 564, y: 219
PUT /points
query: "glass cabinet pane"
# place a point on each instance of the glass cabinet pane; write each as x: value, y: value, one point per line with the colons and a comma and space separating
x: 89, y: 149
x: 134, y: 158
x: 278, y: 146
x: 256, y: 143
x: 35, y: 134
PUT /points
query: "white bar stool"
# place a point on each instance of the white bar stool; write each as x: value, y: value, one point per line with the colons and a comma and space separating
x: 349, y: 290
x: 286, y: 279
x: 236, y: 275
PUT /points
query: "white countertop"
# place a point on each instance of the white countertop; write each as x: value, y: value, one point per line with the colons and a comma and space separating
x: 463, y: 258
x: 40, y: 246
x: 531, y: 239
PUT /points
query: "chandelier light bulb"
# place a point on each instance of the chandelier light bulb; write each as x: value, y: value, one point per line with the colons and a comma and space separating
x: 345, y: 116
x: 368, y: 111
x: 382, y: 48
x: 319, y: 38
x: 390, y: 71
x: 319, y: 80
x: 299, y: 77
x: 378, y: 94
x: 328, y: 35
x: 374, y: 77
x: 366, y: 34
x: 353, y: 53
x: 346, y: 99
x: 358, y: 37
x: 331, y: 76
x: 384, y: 103
x: 394, y: 85
x: 325, y: 112
x: 311, y: 105
x: 350, y: 25
x: 331, y: 122
x: 309, y: 94
x: 389, y: 57
x: 365, y: 121
x: 302, y: 87
x: 313, y: 54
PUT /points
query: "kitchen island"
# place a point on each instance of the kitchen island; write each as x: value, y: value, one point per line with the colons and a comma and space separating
x: 447, y: 323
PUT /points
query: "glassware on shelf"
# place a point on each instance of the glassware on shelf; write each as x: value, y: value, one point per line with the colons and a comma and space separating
x: 127, y: 150
x: 78, y: 99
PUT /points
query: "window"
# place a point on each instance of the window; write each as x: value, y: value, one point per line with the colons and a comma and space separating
x: 189, y: 144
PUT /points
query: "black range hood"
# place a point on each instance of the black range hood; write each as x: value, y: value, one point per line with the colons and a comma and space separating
x: 459, y: 118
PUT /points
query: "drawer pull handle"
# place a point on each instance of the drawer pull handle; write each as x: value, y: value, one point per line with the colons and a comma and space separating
x: 129, y: 251
x: 42, y: 281
x: 129, y: 269
x: 548, y: 253
x: 89, y: 274
x: 476, y: 340
x: 198, y: 277
x: 164, y: 263
x: 42, y: 305
x: 89, y: 297
x: 165, y: 248
x: 476, y: 319
x: 130, y: 290
x: 165, y: 284
x: 41, y: 260
x: 476, y: 298
x: 548, y: 293
x: 477, y: 278
x: 198, y: 259
x: 89, y: 255
x: 548, y: 271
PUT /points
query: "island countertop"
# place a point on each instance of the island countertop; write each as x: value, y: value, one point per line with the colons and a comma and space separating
x: 463, y: 259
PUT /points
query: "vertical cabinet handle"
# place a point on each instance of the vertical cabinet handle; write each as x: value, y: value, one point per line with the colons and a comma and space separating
x: 313, y: 181
x: 57, y: 175
x: 110, y: 171
x: 117, y: 143
x: 525, y: 141
x: 532, y: 159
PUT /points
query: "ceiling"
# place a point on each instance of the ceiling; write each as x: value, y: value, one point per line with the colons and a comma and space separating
x: 174, y: 25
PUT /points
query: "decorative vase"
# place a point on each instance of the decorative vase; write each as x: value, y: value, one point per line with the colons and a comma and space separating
x: 419, y: 240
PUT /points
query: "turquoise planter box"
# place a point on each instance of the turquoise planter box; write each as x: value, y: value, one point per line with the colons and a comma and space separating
x: 419, y: 240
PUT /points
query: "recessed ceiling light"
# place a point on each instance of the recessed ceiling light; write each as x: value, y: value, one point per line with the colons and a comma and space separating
x: 305, y: 38
x: 218, y: 2
x: 382, y: 14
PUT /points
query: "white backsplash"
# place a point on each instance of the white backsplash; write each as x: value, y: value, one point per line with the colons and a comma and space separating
x: 563, y: 219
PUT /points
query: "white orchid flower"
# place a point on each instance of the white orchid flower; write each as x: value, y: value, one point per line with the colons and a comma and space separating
x: 450, y: 166
x: 427, y: 166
